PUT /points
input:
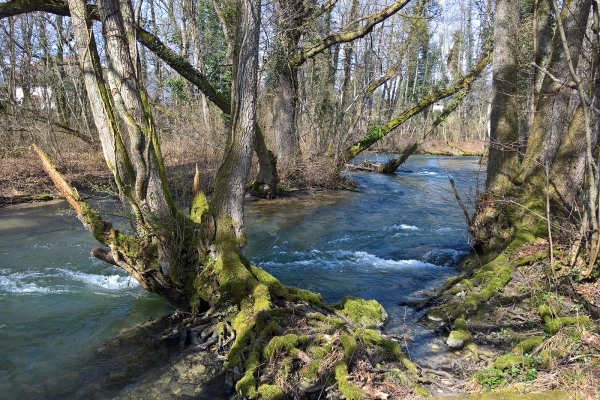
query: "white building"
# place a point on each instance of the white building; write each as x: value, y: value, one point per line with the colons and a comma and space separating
x: 41, y: 97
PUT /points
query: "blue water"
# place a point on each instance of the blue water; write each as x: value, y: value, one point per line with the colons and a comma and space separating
x: 395, y: 236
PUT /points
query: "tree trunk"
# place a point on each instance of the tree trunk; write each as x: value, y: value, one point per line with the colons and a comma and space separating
x: 290, y: 16
x: 503, y: 158
x: 284, y: 116
x: 232, y: 177
x: 552, y: 106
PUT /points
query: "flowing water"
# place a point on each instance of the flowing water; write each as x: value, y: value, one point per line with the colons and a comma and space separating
x: 394, y: 237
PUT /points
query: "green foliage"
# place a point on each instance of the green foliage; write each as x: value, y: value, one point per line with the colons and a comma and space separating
x: 374, y: 134
x: 490, y: 378
x: 177, y: 87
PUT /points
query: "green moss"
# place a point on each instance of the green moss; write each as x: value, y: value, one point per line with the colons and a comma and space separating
x: 527, y: 345
x: 508, y: 361
x: 290, y: 293
x: 367, y: 313
x: 286, y: 342
x: 348, y: 389
x: 270, y: 392
x: 317, y: 351
x: 272, y: 328
x: 247, y: 385
x: 546, y: 357
x: 421, y: 391
x: 35, y: 197
x: 350, y: 345
x: 460, y: 335
x: 553, y: 325
x: 262, y: 298
x: 198, y: 207
x: 312, y: 369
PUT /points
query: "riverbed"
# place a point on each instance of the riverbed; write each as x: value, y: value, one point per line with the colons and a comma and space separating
x: 392, y: 238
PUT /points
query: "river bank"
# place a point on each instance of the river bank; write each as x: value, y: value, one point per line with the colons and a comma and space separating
x: 22, y: 179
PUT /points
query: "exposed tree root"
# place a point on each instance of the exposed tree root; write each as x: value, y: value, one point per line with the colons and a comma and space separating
x: 513, y: 303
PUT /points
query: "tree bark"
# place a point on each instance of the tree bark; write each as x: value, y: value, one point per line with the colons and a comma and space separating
x: 552, y: 106
x: 232, y: 176
x: 503, y: 159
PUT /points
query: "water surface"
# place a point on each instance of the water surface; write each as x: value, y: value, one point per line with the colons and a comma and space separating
x: 396, y: 235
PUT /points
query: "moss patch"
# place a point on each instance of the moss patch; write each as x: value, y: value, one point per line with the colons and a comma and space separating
x: 348, y: 389
x: 366, y: 313
x: 459, y: 336
x: 553, y: 325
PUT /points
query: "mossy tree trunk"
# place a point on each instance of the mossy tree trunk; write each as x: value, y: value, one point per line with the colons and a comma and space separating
x: 551, y: 121
x: 554, y: 160
x: 133, y: 155
x: 267, y: 179
x: 232, y: 176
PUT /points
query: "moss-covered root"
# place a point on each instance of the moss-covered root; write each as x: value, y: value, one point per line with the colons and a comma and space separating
x: 459, y: 336
x: 464, y: 296
x: 553, y: 325
x: 302, y: 345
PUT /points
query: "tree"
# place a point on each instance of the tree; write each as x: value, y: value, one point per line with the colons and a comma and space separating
x: 292, y: 17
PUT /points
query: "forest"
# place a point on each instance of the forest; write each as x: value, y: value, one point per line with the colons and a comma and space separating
x: 182, y: 108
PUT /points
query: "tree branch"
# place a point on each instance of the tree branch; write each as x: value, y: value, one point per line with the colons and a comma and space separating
x: 349, y: 36
x: 33, y: 115
x: 570, y: 84
x: 374, y: 137
x: 150, y: 41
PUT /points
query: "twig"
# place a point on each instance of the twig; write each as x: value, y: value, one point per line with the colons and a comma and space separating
x: 548, y: 222
x: 571, y: 85
x: 266, y: 251
x: 460, y: 203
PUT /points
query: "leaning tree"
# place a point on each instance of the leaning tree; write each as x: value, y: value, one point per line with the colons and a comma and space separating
x: 199, y: 257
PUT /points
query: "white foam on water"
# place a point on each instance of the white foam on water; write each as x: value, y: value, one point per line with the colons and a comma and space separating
x: 110, y: 282
x: 14, y: 284
x: 336, y: 258
x: 403, y: 227
x: 378, y: 262
x: 36, y: 282
x: 340, y: 240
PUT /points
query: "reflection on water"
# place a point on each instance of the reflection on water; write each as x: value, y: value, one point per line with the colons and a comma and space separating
x: 397, y: 235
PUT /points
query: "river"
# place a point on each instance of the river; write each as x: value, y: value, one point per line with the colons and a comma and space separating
x: 395, y: 236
